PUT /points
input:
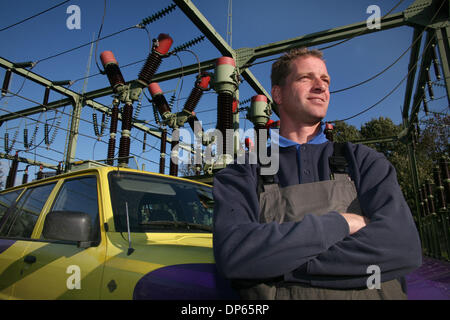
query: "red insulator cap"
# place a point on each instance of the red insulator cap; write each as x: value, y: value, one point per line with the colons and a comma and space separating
x: 204, y: 81
x: 154, y: 88
x: 235, y: 106
x: 259, y: 97
x: 328, y: 126
x: 249, y: 143
x: 107, y: 57
x: 225, y: 60
x: 164, y: 43
x: 269, y: 123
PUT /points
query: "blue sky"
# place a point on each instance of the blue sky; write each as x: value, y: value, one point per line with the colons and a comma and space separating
x: 254, y: 23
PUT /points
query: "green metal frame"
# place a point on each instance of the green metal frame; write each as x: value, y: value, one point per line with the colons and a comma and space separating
x: 416, y: 15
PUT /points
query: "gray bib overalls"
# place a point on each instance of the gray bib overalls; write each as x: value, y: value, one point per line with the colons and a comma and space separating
x: 292, y: 203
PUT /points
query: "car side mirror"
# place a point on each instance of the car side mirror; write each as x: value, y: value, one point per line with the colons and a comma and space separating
x: 68, y: 226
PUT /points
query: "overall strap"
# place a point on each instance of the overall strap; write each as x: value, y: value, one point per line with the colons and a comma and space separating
x: 264, y: 180
x: 338, y: 162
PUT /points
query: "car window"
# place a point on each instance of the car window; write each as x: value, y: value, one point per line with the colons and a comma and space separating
x: 80, y: 194
x: 6, y: 200
x: 159, y: 204
x: 21, y: 222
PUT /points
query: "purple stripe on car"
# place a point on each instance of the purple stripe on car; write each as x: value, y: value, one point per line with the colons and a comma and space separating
x: 5, y: 244
x: 184, y: 281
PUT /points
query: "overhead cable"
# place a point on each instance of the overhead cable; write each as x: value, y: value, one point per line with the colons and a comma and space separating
x: 33, y: 16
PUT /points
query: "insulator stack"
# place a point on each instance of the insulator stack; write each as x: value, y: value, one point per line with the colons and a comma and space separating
x: 112, y: 70
x: 25, y: 176
x: 6, y: 142
x: 443, y: 166
x: 172, y: 100
x: 440, y: 190
x: 259, y: 116
x: 154, y: 58
x: 173, y: 169
x: 201, y: 85
x: 59, y: 168
x: 429, y: 188
x: 46, y: 96
x: 425, y: 105
x: 425, y: 199
x: 40, y: 173
x: 114, y: 118
x: 158, y: 98
x: 144, y: 142
x: 6, y: 81
x: 111, y: 149
x: 137, y: 111
x: 112, y: 133
x: 422, y: 202
x: 225, y: 84
x: 162, y: 157
x: 225, y: 118
x: 25, y: 138
x: 435, y: 61
x: 429, y: 84
x: 329, y: 131
x: 33, y: 138
x: 12, y: 172
x: 155, y: 114
x: 125, y: 141
x: 104, y: 124
x: 46, y: 134
x: 188, y: 44
x: 95, y: 124
x: 158, y: 15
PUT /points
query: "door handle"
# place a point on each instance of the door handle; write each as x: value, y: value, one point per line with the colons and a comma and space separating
x: 29, y: 259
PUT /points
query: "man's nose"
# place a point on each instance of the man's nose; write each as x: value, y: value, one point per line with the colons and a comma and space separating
x: 319, y: 85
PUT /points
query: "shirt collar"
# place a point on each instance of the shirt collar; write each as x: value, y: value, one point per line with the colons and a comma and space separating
x: 285, y: 142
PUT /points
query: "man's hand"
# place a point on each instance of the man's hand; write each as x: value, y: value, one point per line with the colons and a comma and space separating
x: 355, y: 221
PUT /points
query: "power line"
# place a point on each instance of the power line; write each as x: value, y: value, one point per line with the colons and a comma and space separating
x: 407, y: 75
x: 361, y: 32
x: 84, y: 45
x: 33, y: 16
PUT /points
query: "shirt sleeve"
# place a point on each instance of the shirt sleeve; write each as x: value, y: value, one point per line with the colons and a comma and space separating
x: 390, y: 241
x: 247, y: 249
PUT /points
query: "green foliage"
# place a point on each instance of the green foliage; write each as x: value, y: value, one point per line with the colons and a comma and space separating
x: 343, y: 132
x: 430, y: 145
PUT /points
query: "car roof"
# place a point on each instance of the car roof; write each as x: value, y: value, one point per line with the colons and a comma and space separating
x: 102, y: 170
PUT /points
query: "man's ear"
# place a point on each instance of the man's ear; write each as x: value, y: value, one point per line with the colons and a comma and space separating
x: 276, y: 94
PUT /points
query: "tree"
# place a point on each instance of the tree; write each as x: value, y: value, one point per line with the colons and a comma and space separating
x: 383, y: 128
x: 343, y: 132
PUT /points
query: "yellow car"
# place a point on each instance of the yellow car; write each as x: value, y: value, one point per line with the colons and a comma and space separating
x: 108, y: 233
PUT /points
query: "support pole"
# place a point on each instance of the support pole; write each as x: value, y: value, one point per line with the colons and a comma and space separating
x: 442, y: 35
x: 71, y: 146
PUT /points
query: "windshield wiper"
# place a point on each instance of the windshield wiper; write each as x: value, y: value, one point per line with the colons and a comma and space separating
x: 178, y: 224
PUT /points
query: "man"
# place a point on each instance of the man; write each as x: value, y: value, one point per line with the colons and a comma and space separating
x: 322, y: 229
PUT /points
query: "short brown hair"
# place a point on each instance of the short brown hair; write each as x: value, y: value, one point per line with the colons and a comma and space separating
x: 282, y: 67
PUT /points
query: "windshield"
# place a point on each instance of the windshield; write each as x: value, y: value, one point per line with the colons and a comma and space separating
x: 150, y: 200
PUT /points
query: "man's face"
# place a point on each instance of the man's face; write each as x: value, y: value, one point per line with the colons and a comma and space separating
x: 305, y: 95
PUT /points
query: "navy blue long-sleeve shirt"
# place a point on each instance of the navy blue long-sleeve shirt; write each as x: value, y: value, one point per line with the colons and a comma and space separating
x: 317, y: 250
